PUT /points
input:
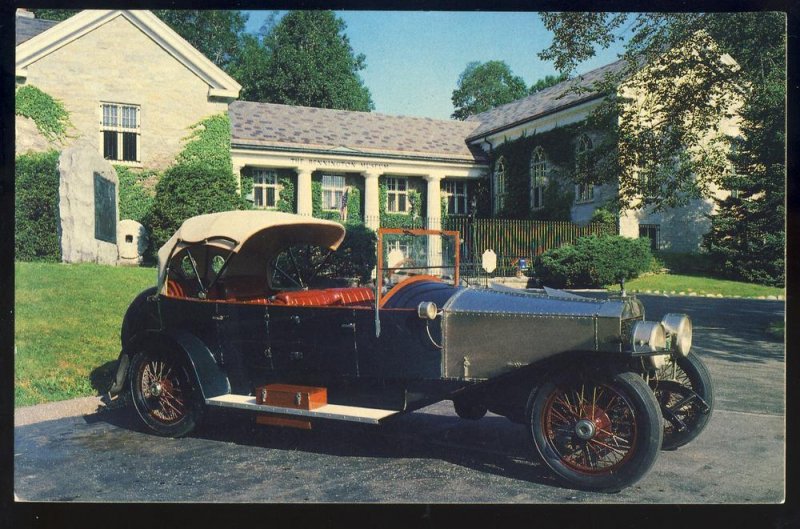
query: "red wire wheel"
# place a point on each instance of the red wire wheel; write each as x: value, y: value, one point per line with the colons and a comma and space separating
x: 164, y: 394
x: 596, y: 432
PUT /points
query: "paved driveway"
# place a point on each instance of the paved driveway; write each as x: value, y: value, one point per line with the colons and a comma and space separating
x: 429, y: 456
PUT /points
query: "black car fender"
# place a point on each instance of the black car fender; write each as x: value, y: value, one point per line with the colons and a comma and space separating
x: 208, y: 376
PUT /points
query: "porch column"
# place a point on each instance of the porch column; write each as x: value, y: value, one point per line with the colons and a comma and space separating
x: 371, y: 200
x: 304, y: 206
x: 434, y: 198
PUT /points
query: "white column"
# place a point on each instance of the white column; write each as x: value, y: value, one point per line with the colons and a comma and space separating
x: 304, y: 199
x: 371, y: 200
x: 434, y: 199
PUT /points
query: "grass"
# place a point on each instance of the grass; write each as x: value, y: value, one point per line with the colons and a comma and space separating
x: 676, y: 283
x: 67, y: 322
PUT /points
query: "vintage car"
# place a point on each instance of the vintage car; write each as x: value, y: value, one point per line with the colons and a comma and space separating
x: 240, y: 319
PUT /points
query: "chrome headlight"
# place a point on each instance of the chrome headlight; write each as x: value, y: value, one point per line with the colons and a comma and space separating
x: 679, y: 326
x: 427, y: 310
x: 648, y: 337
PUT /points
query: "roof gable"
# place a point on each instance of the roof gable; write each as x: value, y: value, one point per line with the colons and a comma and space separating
x: 50, y: 39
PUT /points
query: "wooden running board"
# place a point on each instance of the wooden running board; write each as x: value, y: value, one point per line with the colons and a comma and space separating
x: 328, y: 411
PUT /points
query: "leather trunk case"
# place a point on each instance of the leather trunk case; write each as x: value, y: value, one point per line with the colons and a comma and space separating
x: 290, y: 396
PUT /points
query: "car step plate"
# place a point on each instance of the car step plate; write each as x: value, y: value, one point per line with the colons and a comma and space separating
x: 328, y: 411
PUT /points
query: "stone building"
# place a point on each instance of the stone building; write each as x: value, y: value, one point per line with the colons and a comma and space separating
x: 131, y: 85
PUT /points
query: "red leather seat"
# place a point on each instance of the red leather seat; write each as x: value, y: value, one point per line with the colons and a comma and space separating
x: 308, y: 298
x: 175, y: 289
x: 355, y: 295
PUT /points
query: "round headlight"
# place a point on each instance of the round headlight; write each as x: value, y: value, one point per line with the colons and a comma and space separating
x: 679, y: 326
x: 427, y: 310
x: 648, y: 337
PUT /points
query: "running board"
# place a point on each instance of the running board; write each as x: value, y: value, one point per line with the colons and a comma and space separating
x: 328, y: 411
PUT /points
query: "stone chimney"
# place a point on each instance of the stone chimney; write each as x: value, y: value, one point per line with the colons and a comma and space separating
x: 22, y: 12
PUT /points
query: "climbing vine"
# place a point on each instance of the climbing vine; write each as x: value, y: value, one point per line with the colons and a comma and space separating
x: 49, y: 114
x: 412, y: 219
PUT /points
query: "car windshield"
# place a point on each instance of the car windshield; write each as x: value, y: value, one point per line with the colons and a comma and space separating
x: 408, y: 253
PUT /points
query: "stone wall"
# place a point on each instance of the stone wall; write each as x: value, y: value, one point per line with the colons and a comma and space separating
x: 117, y: 63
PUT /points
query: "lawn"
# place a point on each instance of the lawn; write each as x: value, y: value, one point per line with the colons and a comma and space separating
x: 67, y: 327
x: 687, y: 284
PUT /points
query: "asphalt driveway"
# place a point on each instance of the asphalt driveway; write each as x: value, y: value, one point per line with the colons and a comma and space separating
x: 430, y: 456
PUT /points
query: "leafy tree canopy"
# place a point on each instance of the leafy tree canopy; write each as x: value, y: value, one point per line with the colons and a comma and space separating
x: 674, y: 153
x: 547, y: 81
x: 54, y: 14
x: 306, y: 60
x: 216, y: 34
x: 483, y: 86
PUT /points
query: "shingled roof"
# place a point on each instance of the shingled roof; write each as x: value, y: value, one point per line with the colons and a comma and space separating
x: 307, y: 128
x: 541, y: 103
x: 27, y: 28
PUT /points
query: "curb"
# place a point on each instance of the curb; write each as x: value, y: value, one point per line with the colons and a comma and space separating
x: 51, y: 411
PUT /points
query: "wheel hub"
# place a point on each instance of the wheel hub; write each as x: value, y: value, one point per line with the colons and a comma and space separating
x: 159, y: 387
x: 585, y: 429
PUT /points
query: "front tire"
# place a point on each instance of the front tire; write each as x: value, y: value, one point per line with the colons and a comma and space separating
x: 596, y: 432
x: 685, y: 393
x: 164, y: 394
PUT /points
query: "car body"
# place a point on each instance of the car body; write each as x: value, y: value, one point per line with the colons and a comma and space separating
x: 235, y: 311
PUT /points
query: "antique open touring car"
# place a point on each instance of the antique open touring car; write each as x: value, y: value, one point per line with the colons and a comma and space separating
x: 245, y: 316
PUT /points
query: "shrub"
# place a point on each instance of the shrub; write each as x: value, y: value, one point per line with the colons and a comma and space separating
x: 201, y: 181
x: 594, y: 261
x: 36, y: 207
x: 356, y: 255
x: 134, y: 199
x: 607, y: 219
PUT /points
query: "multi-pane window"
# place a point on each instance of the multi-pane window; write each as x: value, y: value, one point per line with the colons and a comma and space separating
x: 265, y: 188
x: 333, y: 190
x: 538, y: 175
x: 584, y: 170
x: 456, y: 194
x: 397, y: 195
x: 652, y: 232
x: 499, y: 185
x: 121, y: 130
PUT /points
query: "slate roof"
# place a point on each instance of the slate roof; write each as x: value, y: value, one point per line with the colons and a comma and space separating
x: 271, y: 125
x: 27, y: 28
x: 540, y: 103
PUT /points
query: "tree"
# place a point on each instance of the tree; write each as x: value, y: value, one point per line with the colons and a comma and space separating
x: 215, y: 34
x: 670, y: 159
x: 308, y: 61
x: 54, y: 14
x: 547, y: 81
x: 483, y: 86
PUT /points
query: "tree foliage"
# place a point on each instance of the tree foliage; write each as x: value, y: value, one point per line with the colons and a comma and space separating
x: 306, y: 60
x: 676, y: 153
x: 547, y: 81
x: 483, y: 86
x: 216, y: 34
x: 54, y: 14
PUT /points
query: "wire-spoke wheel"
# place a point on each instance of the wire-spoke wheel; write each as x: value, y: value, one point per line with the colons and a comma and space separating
x: 164, y: 394
x: 685, y: 394
x: 596, y: 432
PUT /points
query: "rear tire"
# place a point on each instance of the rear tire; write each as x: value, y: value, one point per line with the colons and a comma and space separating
x: 596, y: 432
x: 164, y: 393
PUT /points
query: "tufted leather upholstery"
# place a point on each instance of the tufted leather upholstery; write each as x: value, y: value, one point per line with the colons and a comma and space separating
x: 308, y: 298
x: 360, y: 296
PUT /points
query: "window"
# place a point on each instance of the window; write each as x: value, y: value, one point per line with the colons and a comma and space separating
x: 333, y: 191
x: 584, y: 170
x: 456, y: 194
x: 538, y: 175
x: 499, y: 185
x: 121, y: 131
x: 397, y: 195
x: 652, y: 232
x: 265, y: 188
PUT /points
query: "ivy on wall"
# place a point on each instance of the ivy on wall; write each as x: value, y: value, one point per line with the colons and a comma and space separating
x: 209, y: 145
x: 49, y: 114
x: 287, y: 196
x: 354, y: 203
x: 412, y: 219
x: 559, y: 194
x: 135, y: 198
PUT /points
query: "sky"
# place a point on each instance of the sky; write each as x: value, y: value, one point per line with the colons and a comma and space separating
x: 414, y: 58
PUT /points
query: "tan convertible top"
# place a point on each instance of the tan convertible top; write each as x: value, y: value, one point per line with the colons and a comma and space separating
x: 275, y: 231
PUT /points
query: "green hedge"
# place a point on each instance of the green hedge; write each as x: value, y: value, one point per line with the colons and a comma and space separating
x: 594, y: 262
x: 36, y: 207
